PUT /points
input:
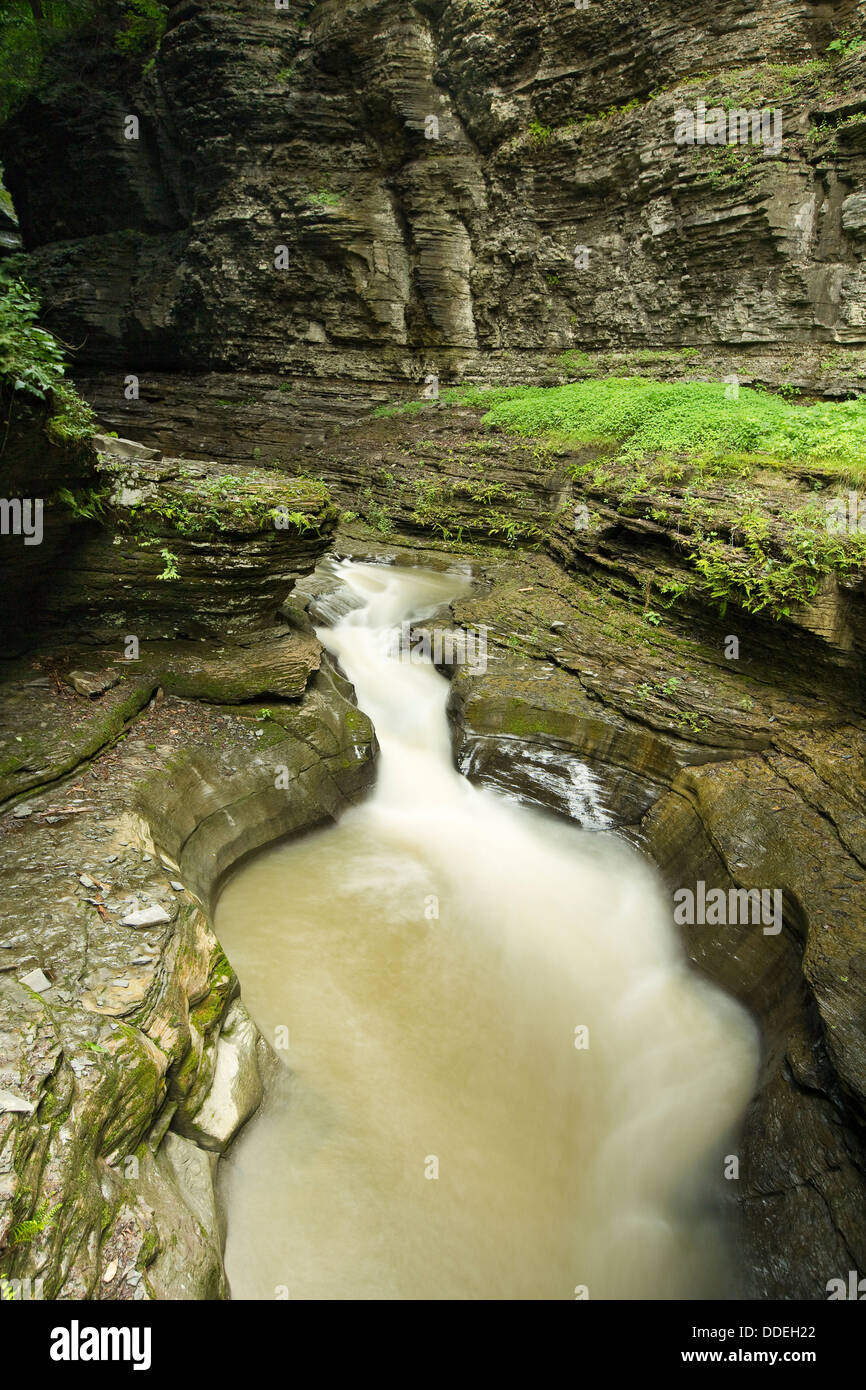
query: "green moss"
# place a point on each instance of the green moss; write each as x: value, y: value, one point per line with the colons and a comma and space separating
x: 384, y: 412
x: 640, y: 416
x: 150, y: 1247
x: 73, y: 421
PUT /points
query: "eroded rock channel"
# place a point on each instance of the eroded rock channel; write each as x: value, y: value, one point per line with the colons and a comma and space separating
x: 131, y: 1062
x: 428, y: 287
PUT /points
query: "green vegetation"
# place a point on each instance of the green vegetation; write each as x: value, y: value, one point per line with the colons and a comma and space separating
x: 323, y: 199
x: 32, y: 362
x: 539, y: 134
x: 765, y: 547
x: 374, y: 513
x: 300, y: 521
x: 30, y: 357
x: 610, y: 111
x: 253, y: 501
x: 6, y: 204
x: 729, y: 166
x: 87, y: 504
x: 577, y: 362
x: 638, y: 417
x: 764, y: 85
x: 758, y: 577
x: 142, y: 26
x: 384, y: 412
x: 42, y: 1220
x: 845, y: 44
x: 434, y: 509
x: 171, y: 570
x: 33, y: 29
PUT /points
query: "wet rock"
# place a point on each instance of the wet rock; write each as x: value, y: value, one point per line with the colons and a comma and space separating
x: 236, y: 1090
x: 91, y: 683
x: 106, y: 1092
x: 146, y: 917
x: 124, y: 448
x: 36, y: 980
x: 12, y: 1104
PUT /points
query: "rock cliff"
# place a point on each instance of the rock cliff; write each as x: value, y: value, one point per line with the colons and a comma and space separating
x: 290, y: 216
x: 325, y: 198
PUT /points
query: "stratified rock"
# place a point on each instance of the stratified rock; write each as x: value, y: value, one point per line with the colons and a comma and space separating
x: 188, y: 550
x: 91, y: 683
x: 148, y: 1051
x: 448, y: 165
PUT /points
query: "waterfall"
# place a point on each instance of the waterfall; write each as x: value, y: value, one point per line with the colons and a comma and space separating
x: 502, y: 1078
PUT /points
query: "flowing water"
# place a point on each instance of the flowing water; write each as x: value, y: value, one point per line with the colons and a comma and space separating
x: 441, y: 958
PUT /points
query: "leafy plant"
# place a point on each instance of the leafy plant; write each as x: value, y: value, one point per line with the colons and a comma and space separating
x: 86, y: 504
x: 30, y: 357
x: 845, y: 44
x: 32, y: 362
x: 170, y: 571
x: 143, y: 26
x: 376, y: 514
x: 539, y: 134
x: 323, y: 199
x: 43, y: 1220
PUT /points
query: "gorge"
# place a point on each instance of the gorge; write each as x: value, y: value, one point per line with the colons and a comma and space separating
x: 314, y: 354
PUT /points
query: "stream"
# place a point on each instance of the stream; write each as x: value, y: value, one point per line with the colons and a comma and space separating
x: 502, y: 1080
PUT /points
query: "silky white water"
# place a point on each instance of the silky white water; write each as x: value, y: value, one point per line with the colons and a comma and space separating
x: 435, y: 1131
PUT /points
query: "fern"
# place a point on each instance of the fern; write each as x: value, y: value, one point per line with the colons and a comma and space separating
x: 43, y: 1220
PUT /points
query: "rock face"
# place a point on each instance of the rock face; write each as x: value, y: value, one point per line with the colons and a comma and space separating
x: 651, y: 733
x: 131, y: 544
x: 36, y: 538
x: 740, y: 771
x: 371, y: 192
x: 127, y: 1061
x: 320, y: 208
